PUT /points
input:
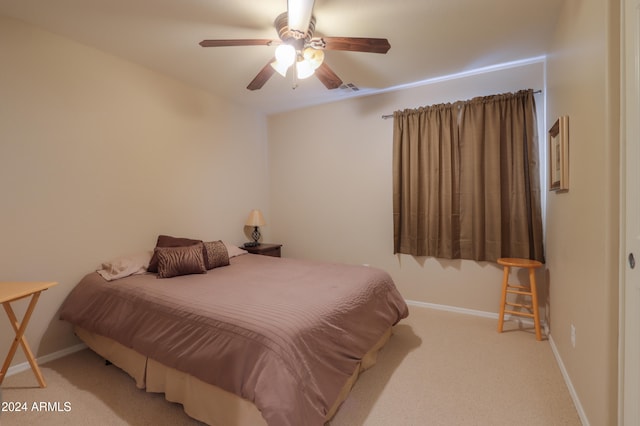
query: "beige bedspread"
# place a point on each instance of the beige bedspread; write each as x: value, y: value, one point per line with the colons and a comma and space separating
x: 283, y: 333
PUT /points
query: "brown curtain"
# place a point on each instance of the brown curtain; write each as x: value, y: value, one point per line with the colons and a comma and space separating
x: 466, y: 182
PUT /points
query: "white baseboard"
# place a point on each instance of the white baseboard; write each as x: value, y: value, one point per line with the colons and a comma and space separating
x: 46, y: 358
x: 452, y: 309
x: 567, y: 380
x: 474, y: 312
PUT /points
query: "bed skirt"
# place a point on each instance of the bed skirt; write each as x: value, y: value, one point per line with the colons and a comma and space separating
x: 202, y: 401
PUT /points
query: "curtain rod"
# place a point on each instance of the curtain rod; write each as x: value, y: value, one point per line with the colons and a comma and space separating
x: 535, y: 92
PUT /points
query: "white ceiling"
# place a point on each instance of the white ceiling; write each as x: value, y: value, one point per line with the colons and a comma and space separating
x: 429, y: 39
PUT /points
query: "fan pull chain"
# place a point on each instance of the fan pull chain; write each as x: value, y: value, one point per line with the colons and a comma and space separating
x: 294, y: 77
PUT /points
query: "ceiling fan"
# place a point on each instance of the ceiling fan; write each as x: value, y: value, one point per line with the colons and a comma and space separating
x: 297, y: 47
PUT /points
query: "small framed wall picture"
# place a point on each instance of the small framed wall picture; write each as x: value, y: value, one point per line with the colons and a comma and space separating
x: 559, y: 155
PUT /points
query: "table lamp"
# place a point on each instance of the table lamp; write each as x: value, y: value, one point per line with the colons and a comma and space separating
x: 256, y: 220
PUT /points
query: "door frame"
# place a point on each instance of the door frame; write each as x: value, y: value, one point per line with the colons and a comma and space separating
x: 629, y: 311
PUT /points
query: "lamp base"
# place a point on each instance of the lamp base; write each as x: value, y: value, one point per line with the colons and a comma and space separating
x: 251, y: 244
x: 256, y: 234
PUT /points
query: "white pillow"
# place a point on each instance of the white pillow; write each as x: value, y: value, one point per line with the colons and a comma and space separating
x: 234, y: 250
x: 125, y: 265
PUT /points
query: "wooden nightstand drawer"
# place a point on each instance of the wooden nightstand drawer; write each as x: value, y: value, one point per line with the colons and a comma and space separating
x: 265, y: 249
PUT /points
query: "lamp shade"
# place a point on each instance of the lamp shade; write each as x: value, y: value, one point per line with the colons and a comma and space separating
x: 286, y: 54
x: 255, y: 218
x: 304, y: 69
x: 314, y: 56
x: 280, y: 67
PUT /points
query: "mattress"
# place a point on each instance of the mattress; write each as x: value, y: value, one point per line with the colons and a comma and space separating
x: 283, y: 334
x: 203, y: 401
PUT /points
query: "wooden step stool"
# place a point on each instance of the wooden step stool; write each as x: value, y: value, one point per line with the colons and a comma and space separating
x: 531, y: 291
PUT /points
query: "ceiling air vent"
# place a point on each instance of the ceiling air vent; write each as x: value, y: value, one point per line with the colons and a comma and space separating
x: 349, y: 87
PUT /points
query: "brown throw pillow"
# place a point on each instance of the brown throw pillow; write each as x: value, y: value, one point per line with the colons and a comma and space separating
x: 216, y: 254
x: 175, y: 261
x: 168, y: 241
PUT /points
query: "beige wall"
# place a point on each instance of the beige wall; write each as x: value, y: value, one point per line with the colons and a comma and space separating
x: 331, y: 187
x: 582, y: 224
x: 98, y: 156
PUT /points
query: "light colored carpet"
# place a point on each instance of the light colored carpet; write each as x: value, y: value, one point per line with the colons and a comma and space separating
x: 439, y: 368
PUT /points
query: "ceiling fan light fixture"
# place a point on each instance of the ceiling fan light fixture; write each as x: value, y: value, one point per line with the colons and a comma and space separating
x: 304, y: 69
x: 314, y: 56
x: 285, y: 55
x: 280, y: 67
x: 297, y: 46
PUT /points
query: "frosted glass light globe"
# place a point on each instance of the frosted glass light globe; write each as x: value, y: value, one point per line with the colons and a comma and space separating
x: 285, y: 55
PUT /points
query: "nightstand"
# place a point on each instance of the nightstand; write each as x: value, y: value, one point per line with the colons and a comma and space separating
x: 265, y: 249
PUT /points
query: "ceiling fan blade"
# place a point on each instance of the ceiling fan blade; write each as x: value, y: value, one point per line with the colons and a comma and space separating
x: 262, y: 77
x: 299, y: 14
x: 353, y: 44
x: 237, y: 42
x: 328, y: 77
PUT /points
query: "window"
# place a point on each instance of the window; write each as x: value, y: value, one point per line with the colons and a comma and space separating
x: 466, y: 182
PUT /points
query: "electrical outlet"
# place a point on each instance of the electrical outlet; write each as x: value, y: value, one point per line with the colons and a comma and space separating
x: 573, y: 335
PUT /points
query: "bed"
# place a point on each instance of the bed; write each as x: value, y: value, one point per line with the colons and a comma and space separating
x: 259, y: 340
